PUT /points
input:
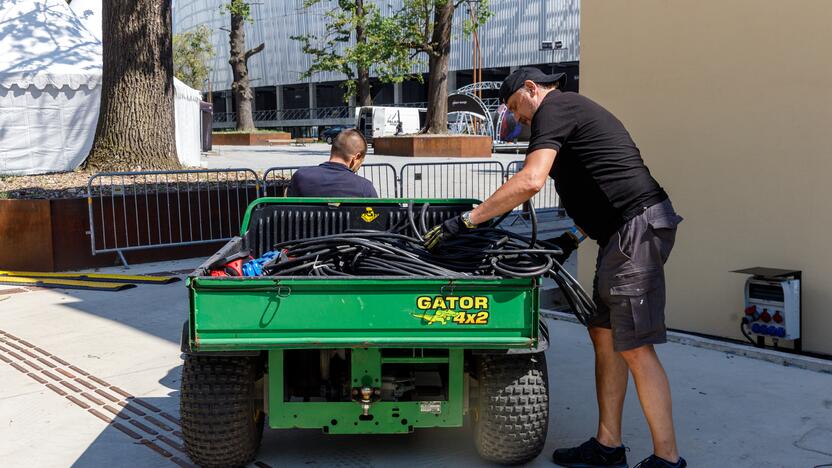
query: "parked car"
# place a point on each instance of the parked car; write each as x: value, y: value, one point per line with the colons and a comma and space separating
x: 329, y: 134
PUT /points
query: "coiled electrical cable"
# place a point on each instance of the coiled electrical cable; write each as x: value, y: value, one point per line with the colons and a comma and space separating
x: 487, y: 251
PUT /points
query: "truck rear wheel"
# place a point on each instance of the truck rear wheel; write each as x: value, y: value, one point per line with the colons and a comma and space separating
x: 511, y: 414
x: 222, y: 417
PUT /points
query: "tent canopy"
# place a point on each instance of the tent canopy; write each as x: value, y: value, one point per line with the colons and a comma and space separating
x: 44, y: 44
x: 50, y: 88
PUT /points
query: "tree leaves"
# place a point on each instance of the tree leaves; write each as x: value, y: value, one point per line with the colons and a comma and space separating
x: 391, y: 46
x: 192, y: 52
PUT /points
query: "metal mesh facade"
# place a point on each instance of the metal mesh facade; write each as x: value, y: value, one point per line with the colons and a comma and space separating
x: 512, y: 37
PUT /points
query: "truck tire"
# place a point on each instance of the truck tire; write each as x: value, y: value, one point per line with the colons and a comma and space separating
x: 329, y: 140
x: 222, y: 417
x: 511, y: 412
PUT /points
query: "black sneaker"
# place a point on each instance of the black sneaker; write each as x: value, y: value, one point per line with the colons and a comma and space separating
x: 591, y: 454
x: 654, y: 461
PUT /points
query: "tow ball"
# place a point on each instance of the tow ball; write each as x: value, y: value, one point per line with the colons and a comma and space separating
x: 366, y: 396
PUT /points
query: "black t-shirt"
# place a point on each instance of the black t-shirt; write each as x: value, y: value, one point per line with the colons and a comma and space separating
x: 329, y: 180
x: 598, y: 171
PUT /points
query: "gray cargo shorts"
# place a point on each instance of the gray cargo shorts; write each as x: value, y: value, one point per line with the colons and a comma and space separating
x: 629, y: 286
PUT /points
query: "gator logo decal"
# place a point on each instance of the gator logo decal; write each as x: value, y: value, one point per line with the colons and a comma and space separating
x: 369, y: 215
x: 460, y: 310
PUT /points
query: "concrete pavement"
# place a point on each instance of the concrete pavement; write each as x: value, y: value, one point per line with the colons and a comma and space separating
x: 730, y: 411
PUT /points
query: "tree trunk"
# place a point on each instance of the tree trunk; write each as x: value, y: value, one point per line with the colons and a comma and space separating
x: 135, y: 128
x: 437, y: 115
x: 241, y: 87
x: 364, y: 97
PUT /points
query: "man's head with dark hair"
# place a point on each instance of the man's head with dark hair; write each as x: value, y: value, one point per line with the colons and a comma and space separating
x: 524, y: 90
x: 349, y: 148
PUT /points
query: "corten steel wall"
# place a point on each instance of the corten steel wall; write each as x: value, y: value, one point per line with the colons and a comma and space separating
x: 731, y: 105
x: 512, y: 37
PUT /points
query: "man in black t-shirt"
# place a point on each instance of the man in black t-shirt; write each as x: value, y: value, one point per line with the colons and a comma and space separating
x: 607, y: 190
x: 336, y: 177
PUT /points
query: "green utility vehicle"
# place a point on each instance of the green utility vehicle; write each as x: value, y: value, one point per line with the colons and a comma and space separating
x: 358, y: 355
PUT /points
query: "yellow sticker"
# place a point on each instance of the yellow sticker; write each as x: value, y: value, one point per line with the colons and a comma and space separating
x: 460, y: 310
x: 369, y: 215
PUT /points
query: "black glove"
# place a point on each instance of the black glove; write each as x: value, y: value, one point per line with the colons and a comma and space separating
x: 447, y: 230
x: 567, y: 242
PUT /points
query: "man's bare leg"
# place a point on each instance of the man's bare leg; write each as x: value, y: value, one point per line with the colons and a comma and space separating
x: 654, y: 395
x: 610, y: 386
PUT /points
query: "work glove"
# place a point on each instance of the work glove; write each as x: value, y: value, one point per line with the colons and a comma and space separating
x: 448, y: 230
x: 567, y: 242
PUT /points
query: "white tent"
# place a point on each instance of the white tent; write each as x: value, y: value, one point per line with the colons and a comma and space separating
x: 188, y: 123
x: 186, y: 115
x: 50, y: 87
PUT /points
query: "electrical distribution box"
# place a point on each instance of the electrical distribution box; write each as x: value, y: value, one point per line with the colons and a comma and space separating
x: 773, y: 306
x: 772, y: 303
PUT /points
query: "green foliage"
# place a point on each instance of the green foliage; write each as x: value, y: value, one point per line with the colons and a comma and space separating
x: 415, y: 22
x: 192, y: 51
x: 238, y: 8
x: 391, y: 45
x: 339, y: 50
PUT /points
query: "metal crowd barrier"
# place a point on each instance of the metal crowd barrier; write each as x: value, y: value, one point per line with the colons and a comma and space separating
x: 149, y: 209
x: 450, y: 179
x: 546, y: 198
x: 141, y: 210
x: 383, y: 177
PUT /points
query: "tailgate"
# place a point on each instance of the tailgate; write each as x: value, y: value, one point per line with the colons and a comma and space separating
x: 266, y: 312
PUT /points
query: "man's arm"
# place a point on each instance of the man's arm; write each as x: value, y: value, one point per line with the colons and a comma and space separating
x: 519, y: 188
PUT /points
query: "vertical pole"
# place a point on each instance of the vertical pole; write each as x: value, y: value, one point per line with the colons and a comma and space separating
x: 276, y: 386
x: 397, y: 93
x: 228, y: 108
x: 313, y: 101
x: 456, y: 370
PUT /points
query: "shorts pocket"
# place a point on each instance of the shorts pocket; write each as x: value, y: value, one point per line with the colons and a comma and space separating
x: 665, y: 221
x: 664, y: 230
x: 643, y: 291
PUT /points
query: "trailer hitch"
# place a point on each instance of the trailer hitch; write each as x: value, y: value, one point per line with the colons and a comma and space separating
x: 366, y: 396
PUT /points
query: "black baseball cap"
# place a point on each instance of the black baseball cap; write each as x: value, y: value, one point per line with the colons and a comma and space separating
x: 517, y: 79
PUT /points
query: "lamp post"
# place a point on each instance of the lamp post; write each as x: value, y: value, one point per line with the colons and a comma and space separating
x: 554, y: 46
x: 476, y: 63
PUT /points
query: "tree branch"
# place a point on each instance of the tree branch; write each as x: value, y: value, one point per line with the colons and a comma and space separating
x: 255, y: 50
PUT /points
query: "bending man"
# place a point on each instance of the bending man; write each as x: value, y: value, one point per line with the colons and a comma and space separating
x: 608, y: 191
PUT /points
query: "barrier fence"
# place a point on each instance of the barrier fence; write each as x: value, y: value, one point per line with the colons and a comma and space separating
x: 141, y: 210
x: 450, y: 180
x: 546, y: 198
x: 151, y: 209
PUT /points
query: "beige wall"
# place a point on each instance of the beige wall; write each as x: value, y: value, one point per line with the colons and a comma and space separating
x: 730, y: 102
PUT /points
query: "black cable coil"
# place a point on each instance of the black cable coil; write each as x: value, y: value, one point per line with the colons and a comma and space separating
x: 486, y: 251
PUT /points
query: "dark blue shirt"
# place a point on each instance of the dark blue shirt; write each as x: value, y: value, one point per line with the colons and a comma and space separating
x: 330, y: 180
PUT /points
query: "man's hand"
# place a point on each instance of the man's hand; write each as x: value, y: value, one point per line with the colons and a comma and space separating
x: 567, y: 242
x: 448, y: 230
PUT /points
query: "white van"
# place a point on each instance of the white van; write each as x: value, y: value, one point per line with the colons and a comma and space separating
x: 377, y: 121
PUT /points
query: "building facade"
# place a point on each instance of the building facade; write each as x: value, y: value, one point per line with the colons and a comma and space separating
x: 513, y: 37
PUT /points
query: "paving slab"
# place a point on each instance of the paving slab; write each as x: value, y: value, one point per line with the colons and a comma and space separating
x: 730, y: 410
